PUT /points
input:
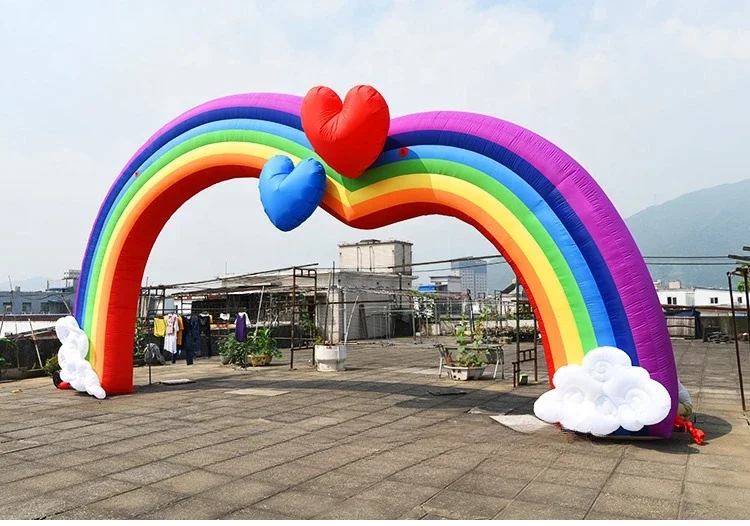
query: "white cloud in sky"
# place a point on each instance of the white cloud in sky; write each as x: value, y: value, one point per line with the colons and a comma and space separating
x: 650, y: 99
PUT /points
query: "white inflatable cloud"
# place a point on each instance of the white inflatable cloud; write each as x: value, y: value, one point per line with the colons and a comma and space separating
x: 602, y: 394
x: 74, y: 368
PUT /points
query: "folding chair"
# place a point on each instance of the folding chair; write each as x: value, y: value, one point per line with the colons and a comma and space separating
x: 445, y: 358
x: 496, y: 356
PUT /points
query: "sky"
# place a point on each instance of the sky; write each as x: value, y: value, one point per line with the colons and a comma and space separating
x: 650, y: 97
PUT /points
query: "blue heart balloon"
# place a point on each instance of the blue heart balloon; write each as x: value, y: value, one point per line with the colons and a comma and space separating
x: 290, y: 194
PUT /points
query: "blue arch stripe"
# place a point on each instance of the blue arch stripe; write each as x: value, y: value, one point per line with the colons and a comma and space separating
x: 558, y: 204
x: 512, y: 161
x: 246, y: 112
x: 541, y: 210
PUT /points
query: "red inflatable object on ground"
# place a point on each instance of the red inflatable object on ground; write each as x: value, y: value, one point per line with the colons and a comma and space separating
x: 680, y: 424
x: 348, y: 136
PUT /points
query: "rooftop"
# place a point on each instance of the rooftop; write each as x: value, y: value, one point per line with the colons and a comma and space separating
x: 385, y: 439
x: 375, y: 242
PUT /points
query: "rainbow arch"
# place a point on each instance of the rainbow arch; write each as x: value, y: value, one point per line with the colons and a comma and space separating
x: 586, y: 278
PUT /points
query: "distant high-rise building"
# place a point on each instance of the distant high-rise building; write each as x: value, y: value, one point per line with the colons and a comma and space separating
x: 473, y: 275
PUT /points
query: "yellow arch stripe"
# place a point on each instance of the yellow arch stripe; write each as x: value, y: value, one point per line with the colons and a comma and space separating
x: 500, y: 213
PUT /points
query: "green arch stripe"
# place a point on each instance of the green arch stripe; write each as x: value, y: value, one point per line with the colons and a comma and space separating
x: 399, y: 168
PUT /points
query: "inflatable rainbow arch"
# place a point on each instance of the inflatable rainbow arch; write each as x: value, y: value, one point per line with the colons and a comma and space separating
x: 588, y: 282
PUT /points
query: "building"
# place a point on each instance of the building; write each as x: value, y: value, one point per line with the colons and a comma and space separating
x: 447, y: 283
x: 674, y: 294
x: 34, y: 313
x: 373, y: 255
x: 473, y: 274
x: 367, y: 296
x: 57, y: 298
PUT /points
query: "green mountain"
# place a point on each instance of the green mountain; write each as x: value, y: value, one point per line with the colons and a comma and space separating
x: 708, y: 222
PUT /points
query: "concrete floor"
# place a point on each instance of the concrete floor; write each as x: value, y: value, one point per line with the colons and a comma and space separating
x: 386, y: 439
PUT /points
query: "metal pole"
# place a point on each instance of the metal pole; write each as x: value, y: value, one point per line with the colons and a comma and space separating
x: 747, y: 299
x: 328, y: 299
x: 291, y: 329
x: 33, y: 337
x: 413, y: 321
x: 333, y: 288
x: 536, y: 348
x: 518, y: 321
x: 736, y: 342
x: 315, y: 315
x: 471, y: 313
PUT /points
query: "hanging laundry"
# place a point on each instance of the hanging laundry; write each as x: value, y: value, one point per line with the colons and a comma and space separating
x: 170, y: 336
x: 240, y: 327
x: 206, y: 321
x: 181, y: 326
x: 195, y: 336
x: 160, y: 327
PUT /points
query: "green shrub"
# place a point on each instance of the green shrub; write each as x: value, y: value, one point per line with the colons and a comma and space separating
x: 51, y: 365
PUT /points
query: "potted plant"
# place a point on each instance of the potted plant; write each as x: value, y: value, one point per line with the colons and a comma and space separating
x: 469, y: 364
x: 233, y: 352
x: 227, y: 349
x: 261, y: 348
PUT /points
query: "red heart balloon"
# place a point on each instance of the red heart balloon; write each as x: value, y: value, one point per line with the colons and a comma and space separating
x: 348, y: 136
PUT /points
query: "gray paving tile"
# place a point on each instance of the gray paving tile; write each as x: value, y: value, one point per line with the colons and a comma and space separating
x: 635, y: 507
x: 720, y: 477
x: 506, y: 468
x: 133, y: 503
x: 644, y: 468
x: 359, y: 509
x: 92, y: 490
x: 337, y: 484
x: 702, y: 511
x: 656, y: 455
x: 248, y: 490
x: 574, y: 477
x: 400, y: 495
x: 486, y: 484
x: 150, y: 473
x: 585, y: 462
x: 22, y: 470
x: 464, y: 506
x: 254, y: 514
x: 644, y: 487
x: 559, y: 495
x: 191, y: 508
x: 47, y: 482
x: 192, y: 482
x: 113, y: 464
x: 37, y: 507
x: 522, y: 510
x: 714, y: 495
x: 298, y: 504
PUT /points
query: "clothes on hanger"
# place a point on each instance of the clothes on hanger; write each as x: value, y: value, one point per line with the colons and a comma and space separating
x: 160, y: 327
x: 206, y: 321
x: 240, y: 327
x: 181, y: 325
x: 170, y: 336
x: 193, y: 346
